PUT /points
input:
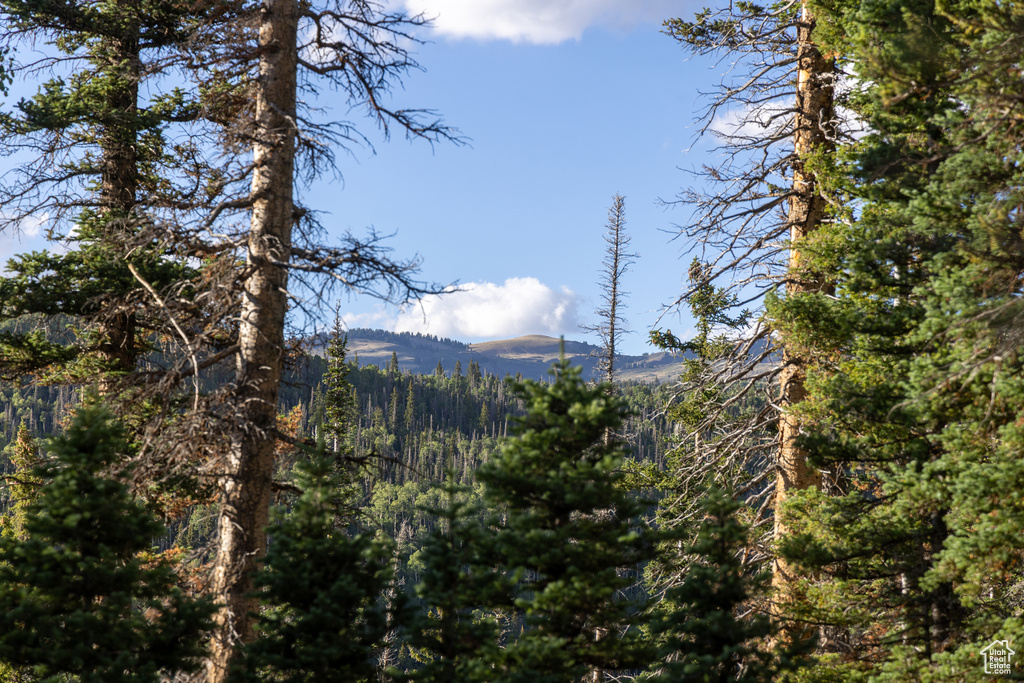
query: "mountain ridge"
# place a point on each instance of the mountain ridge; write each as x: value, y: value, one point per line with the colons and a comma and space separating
x: 528, y: 355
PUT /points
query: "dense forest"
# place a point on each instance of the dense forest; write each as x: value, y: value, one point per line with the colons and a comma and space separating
x: 830, y: 491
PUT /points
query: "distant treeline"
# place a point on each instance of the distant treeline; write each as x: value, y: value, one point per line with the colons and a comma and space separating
x: 414, y: 339
x: 412, y: 426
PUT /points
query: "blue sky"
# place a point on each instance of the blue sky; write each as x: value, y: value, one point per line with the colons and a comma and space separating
x: 564, y: 103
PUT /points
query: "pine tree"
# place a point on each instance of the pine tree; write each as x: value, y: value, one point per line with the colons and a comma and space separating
x: 919, y: 395
x: 485, y: 416
x: 703, y: 635
x: 105, y: 123
x: 567, y: 530
x: 78, y: 596
x: 451, y: 636
x: 22, y: 486
x: 338, y: 401
x: 409, y: 418
x: 321, y: 616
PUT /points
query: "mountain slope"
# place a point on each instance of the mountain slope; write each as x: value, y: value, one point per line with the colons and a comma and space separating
x: 530, y: 356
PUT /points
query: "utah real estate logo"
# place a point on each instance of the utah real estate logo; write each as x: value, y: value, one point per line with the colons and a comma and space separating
x: 997, y: 657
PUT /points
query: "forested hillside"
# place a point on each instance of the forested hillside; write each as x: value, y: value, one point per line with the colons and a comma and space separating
x: 403, y: 416
x: 828, y: 489
x: 530, y: 356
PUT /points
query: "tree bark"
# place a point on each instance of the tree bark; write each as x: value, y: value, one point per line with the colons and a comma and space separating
x: 814, y: 122
x: 246, y: 488
x: 119, y: 180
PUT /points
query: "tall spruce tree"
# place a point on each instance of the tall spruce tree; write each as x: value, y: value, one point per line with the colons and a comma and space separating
x: 101, y: 162
x: 919, y: 393
x: 22, y: 486
x: 569, y: 533
x: 78, y: 596
x: 453, y: 636
x: 321, y: 615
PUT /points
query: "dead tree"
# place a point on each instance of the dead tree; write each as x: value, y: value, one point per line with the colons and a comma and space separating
x: 752, y: 228
x: 209, y: 253
x: 813, y: 134
x: 614, y: 265
x: 356, y: 47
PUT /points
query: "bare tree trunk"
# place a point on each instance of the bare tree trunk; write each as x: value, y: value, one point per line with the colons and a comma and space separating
x: 246, y: 488
x: 814, y: 119
x: 614, y: 265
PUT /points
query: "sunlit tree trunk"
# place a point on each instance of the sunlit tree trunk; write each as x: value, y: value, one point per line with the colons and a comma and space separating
x: 246, y: 487
x: 815, y: 118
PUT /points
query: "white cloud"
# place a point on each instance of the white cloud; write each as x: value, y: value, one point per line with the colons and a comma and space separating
x: 537, y: 21
x: 771, y: 118
x: 33, y: 225
x: 484, y: 310
x: 751, y: 121
x: 22, y: 237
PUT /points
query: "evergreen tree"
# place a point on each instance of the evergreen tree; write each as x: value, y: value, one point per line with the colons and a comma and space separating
x: 409, y: 419
x: 338, y: 401
x: 22, y: 486
x: 704, y: 638
x: 919, y: 392
x: 321, y: 617
x: 485, y: 416
x: 78, y: 596
x: 451, y: 637
x: 568, y: 531
x: 105, y: 123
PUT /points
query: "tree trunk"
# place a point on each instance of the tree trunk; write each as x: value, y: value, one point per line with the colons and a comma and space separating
x: 947, y: 614
x: 119, y: 180
x: 246, y: 488
x: 814, y: 121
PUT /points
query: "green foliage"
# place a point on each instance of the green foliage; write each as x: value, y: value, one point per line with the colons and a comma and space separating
x: 916, y: 389
x: 337, y: 398
x: 104, y: 168
x: 451, y: 637
x: 320, y: 588
x: 22, y: 486
x: 568, y: 532
x: 709, y: 306
x: 25, y: 354
x: 711, y: 30
x: 77, y: 596
x: 704, y: 637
